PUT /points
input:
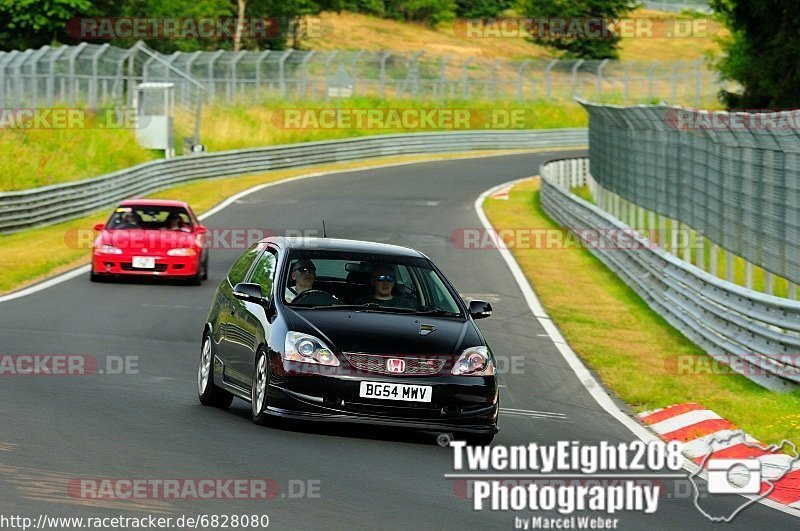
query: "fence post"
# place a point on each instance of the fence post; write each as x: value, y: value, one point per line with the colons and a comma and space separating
x: 93, y: 86
x: 598, y: 87
x: 748, y: 275
x: 729, y: 266
x: 263, y: 55
x: 675, y: 72
x: 212, y: 89
x: 700, y: 246
x: 792, y: 291
x: 231, y: 92
x: 464, y: 78
x: 72, y: 57
x: 304, y: 66
x: 650, y: 74
x: 548, y: 80
x: 282, y: 71
x: 382, y: 79
x: 574, y: 72
x: 769, y: 283
x: 521, y: 79
x: 354, y: 68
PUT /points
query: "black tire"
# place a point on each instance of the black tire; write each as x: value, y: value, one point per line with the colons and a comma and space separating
x: 94, y: 277
x: 210, y: 394
x: 197, y: 278
x: 258, y: 406
x: 478, y: 439
x: 204, y: 266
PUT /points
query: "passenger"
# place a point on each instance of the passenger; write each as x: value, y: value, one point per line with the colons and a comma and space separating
x: 174, y: 222
x: 383, y: 282
x: 128, y: 220
x: 304, y: 273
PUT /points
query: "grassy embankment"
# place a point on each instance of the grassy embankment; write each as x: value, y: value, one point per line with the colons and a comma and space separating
x: 634, y: 351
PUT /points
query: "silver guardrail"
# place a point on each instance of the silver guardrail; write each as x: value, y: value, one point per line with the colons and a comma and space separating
x: 757, y: 335
x: 56, y: 203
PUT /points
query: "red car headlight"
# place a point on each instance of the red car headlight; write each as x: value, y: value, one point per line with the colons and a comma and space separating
x: 108, y: 249
x: 182, y: 252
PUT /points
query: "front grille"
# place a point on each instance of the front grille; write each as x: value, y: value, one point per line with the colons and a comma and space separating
x: 128, y: 266
x: 377, y: 364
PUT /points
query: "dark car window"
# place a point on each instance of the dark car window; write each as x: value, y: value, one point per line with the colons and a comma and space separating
x: 264, y: 272
x: 149, y: 217
x: 242, y: 265
x: 347, y: 278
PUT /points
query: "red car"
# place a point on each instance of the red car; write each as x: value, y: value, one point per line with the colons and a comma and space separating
x: 151, y: 237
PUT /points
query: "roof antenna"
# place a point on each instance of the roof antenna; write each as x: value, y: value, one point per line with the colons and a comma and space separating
x: 324, y: 233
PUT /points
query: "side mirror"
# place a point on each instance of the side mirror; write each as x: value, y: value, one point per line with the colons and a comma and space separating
x: 200, y: 230
x: 480, y: 309
x: 245, y: 291
x: 99, y: 226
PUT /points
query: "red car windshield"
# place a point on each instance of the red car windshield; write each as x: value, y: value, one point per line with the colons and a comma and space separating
x: 149, y: 217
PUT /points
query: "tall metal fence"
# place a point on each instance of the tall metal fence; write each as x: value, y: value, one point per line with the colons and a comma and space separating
x: 734, y: 178
x: 95, y: 74
x: 758, y: 335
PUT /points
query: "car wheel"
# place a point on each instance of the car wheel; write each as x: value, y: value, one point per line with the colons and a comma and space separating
x: 94, y: 277
x: 205, y: 269
x: 197, y: 278
x: 209, y: 393
x: 259, y: 389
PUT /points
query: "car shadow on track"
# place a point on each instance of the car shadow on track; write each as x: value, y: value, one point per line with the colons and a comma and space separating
x: 337, y: 429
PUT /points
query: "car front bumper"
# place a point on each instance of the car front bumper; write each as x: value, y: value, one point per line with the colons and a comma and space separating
x: 121, y: 265
x: 468, y: 404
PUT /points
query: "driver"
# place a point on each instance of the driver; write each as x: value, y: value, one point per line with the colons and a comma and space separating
x: 304, y: 272
x: 383, y: 282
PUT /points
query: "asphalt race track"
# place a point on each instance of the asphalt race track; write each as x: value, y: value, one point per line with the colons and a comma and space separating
x: 56, y: 430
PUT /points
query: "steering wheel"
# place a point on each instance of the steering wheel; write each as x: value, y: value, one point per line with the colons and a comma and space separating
x: 324, y: 294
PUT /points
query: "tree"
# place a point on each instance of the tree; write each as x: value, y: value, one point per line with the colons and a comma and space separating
x: 762, y: 53
x: 35, y: 23
x: 570, y: 25
x: 481, y: 8
x: 430, y: 12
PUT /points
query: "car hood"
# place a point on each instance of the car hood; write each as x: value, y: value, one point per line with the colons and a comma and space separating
x: 146, y: 240
x: 385, y: 333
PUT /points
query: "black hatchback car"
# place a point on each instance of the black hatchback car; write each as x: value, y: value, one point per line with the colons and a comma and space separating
x: 348, y: 331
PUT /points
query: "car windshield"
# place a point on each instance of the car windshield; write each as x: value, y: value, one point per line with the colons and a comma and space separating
x: 381, y: 283
x: 149, y: 217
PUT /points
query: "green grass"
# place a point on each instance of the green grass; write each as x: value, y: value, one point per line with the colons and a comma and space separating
x: 634, y: 351
x: 40, y: 157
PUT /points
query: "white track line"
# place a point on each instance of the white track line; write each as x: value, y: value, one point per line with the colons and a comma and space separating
x: 684, y: 420
x: 588, y: 381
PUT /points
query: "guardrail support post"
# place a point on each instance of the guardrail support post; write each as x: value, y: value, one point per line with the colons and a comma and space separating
x: 729, y: 263
x: 769, y: 283
x: 686, y: 241
x: 748, y: 275
x: 700, y: 247
x: 713, y: 259
x: 792, y: 291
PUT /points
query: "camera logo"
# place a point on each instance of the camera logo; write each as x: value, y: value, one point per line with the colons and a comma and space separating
x: 753, y: 475
x: 734, y: 476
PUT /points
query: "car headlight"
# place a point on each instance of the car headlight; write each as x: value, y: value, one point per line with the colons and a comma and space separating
x: 181, y: 252
x: 474, y: 361
x: 308, y: 349
x: 108, y: 249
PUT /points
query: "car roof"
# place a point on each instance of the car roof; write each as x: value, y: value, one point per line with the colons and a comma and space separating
x: 337, y: 244
x: 153, y: 202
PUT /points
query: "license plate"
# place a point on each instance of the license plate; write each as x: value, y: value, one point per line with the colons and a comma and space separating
x: 392, y: 391
x: 144, y: 262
